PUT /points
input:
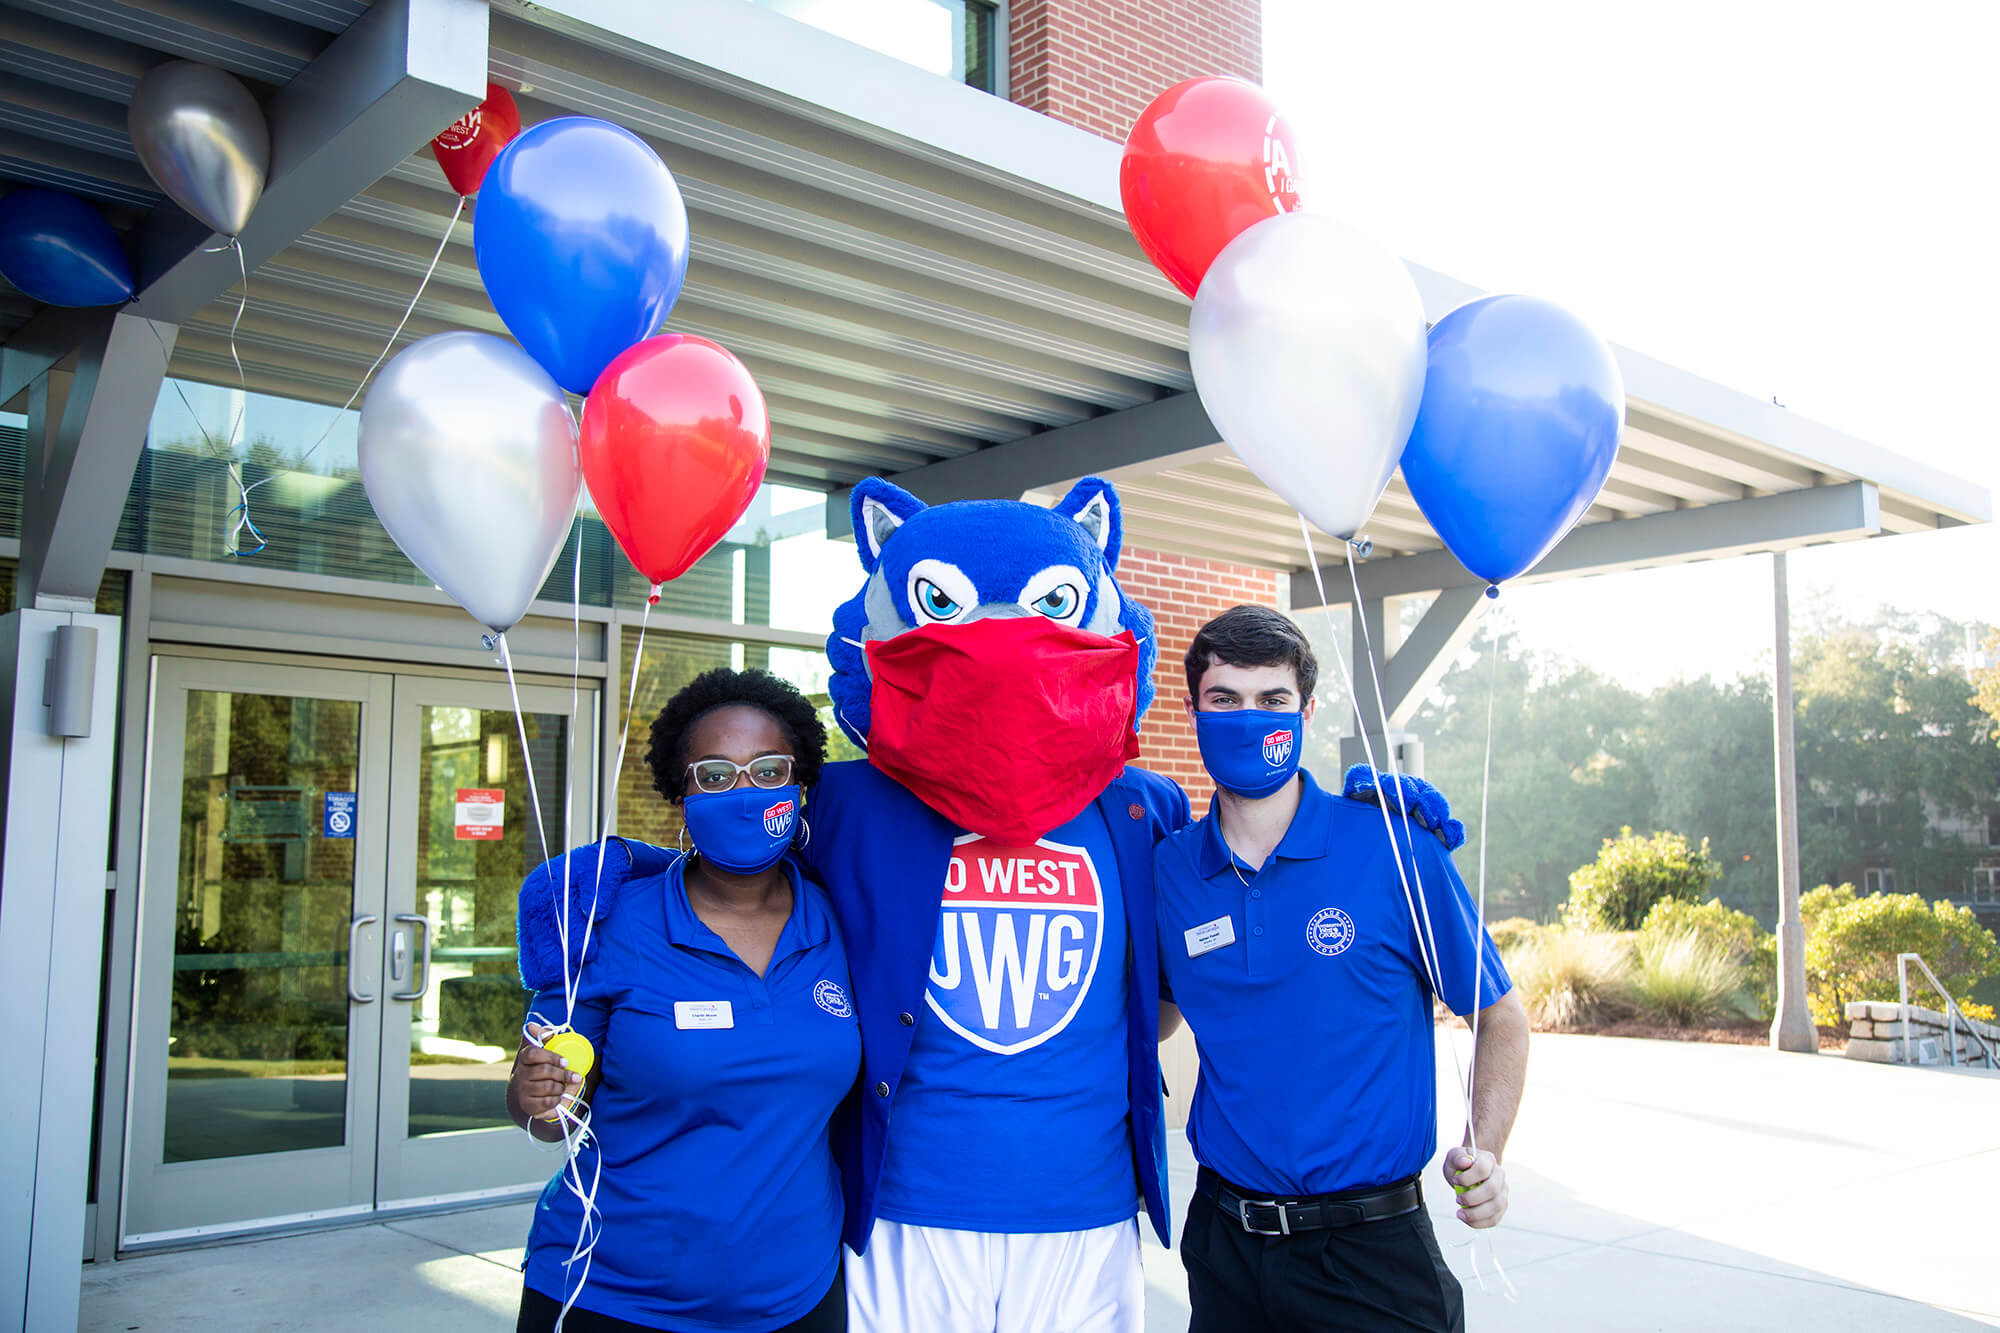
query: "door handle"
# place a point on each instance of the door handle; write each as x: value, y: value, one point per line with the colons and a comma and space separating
x: 423, y: 924
x: 354, y: 934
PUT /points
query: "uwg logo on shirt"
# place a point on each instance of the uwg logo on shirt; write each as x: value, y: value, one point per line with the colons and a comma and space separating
x: 1018, y: 942
x: 1278, y: 748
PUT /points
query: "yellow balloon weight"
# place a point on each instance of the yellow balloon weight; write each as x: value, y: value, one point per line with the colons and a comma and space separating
x: 573, y: 1047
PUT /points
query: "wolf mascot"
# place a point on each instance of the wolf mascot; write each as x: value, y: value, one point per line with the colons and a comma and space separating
x: 991, y: 865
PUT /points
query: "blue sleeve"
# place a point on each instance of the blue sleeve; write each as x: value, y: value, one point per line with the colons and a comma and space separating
x: 591, y: 1017
x: 1460, y: 942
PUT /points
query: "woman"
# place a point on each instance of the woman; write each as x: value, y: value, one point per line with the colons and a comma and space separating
x: 715, y: 995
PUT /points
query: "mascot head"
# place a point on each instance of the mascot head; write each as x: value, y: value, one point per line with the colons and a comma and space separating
x: 989, y: 647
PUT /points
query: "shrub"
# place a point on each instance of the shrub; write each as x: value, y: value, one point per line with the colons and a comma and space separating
x: 1685, y: 979
x: 1513, y: 932
x: 1631, y: 873
x: 1753, y: 949
x: 1570, y: 977
x: 1852, y: 945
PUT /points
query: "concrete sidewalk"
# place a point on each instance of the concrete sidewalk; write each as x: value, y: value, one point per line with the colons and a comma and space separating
x: 1656, y: 1185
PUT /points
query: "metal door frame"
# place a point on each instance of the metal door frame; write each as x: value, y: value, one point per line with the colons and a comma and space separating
x: 434, y: 1169
x: 335, y: 1181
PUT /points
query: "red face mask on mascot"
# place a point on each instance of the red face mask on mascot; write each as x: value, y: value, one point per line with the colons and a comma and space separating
x: 1007, y: 727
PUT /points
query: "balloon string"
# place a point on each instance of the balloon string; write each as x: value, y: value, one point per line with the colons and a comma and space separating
x: 618, y: 766
x: 569, y: 765
x: 1425, y: 951
x: 238, y: 515
x: 380, y: 356
x: 574, y: 1121
x: 1479, y: 918
x: 527, y: 759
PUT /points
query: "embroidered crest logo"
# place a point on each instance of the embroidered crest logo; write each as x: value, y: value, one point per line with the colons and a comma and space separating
x: 1018, y: 941
x: 1330, y: 931
x: 1278, y: 748
x: 778, y: 819
x: 828, y: 995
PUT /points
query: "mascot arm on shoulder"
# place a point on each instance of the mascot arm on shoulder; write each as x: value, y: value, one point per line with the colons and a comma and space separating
x: 990, y: 662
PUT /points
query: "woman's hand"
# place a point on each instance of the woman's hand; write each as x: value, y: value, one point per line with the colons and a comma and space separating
x: 540, y: 1083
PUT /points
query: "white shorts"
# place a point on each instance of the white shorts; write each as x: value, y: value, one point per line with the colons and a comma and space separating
x: 931, y: 1280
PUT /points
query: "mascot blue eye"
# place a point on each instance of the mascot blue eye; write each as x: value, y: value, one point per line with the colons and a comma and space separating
x: 1057, y: 603
x: 934, y: 602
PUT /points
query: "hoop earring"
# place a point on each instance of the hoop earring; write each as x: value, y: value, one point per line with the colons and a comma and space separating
x: 806, y: 829
x: 684, y: 839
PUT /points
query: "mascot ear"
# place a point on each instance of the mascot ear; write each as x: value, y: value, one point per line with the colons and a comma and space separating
x: 1094, y: 506
x: 879, y: 508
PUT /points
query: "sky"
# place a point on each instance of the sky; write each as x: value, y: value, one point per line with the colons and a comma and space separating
x: 1794, y: 200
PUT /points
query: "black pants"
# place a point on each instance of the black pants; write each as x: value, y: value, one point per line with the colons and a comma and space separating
x: 538, y: 1315
x: 1385, y: 1275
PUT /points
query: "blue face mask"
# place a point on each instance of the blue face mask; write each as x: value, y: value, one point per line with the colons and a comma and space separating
x: 742, y: 830
x: 1250, y: 751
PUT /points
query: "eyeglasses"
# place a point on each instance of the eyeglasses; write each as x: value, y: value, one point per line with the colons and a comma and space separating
x: 766, y: 770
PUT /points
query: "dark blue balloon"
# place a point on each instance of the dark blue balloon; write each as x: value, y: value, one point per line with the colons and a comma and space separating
x: 1518, y: 427
x: 582, y: 240
x: 58, y: 249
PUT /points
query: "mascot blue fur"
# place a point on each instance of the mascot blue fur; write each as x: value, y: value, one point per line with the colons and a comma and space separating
x: 975, y: 559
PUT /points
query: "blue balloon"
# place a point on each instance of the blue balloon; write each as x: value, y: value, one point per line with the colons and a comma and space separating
x: 582, y: 240
x: 1518, y: 427
x: 59, y: 250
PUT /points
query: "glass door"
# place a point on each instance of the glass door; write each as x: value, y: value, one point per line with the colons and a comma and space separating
x: 462, y: 834
x: 256, y: 1041
x: 328, y: 1001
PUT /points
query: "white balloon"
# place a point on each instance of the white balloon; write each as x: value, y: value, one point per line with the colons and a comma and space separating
x: 1307, y: 344
x: 468, y: 453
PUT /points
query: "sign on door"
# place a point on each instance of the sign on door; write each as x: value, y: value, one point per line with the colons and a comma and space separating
x: 478, y: 814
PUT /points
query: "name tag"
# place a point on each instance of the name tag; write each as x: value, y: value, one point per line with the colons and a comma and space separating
x: 703, y: 1014
x: 1209, y: 936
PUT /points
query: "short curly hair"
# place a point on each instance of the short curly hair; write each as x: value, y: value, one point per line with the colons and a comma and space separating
x: 719, y: 688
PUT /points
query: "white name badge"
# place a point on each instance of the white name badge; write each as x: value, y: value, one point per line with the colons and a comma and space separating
x: 703, y: 1014
x: 1209, y: 936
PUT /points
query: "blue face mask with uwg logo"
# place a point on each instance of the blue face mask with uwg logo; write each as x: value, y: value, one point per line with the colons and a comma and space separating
x: 742, y: 830
x: 1250, y: 751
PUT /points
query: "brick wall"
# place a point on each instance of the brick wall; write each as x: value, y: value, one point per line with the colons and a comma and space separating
x: 1095, y: 64
x: 1183, y: 594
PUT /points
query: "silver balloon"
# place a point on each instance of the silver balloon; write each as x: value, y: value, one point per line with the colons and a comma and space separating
x: 1307, y: 345
x: 202, y: 138
x: 468, y: 453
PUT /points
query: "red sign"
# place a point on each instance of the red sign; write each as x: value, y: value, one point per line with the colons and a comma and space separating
x: 479, y: 814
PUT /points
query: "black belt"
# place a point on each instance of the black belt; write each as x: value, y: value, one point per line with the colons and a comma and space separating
x: 1312, y: 1212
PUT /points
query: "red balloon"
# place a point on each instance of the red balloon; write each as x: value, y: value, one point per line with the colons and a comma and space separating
x: 674, y: 444
x: 469, y: 146
x: 1208, y: 159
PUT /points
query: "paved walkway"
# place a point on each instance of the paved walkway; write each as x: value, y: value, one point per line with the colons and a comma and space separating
x: 1656, y: 1185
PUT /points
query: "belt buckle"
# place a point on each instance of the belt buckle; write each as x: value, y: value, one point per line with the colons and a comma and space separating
x: 1243, y: 1207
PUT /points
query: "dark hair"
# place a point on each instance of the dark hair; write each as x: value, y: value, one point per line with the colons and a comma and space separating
x: 1252, y: 636
x: 720, y: 688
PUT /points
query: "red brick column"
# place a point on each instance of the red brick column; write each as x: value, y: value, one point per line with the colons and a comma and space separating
x: 1095, y: 64
x: 1183, y: 594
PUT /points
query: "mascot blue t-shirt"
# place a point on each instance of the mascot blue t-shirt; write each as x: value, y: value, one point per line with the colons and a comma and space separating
x: 1026, y: 1010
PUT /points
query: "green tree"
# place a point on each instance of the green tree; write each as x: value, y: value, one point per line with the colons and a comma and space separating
x: 1565, y: 771
x: 1986, y: 686
x: 1852, y: 948
x: 1707, y: 747
x: 1631, y: 874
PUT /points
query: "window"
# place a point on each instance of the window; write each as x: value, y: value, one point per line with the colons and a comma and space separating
x: 1878, y: 881
x: 951, y: 38
x: 1993, y: 826
x: 1986, y: 886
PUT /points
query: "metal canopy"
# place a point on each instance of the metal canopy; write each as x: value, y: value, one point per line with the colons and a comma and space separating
x: 929, y: 282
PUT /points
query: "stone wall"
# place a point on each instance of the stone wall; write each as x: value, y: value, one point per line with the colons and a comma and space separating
x: 1875, y: 1032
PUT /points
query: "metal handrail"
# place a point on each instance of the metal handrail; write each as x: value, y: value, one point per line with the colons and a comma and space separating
x: 1953, y: 1014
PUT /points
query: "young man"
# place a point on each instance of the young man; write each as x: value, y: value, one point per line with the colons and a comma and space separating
x: 1290, y: 943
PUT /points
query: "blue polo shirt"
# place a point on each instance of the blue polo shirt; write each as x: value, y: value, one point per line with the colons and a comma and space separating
x: 719, y: 1196
x: 1313, y: 1021
x: 1012, y: 1113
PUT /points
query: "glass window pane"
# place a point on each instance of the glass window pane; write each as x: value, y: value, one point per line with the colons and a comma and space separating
x: 950, y: 38
x: 466, y: 1025
x: 257, y: 1045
